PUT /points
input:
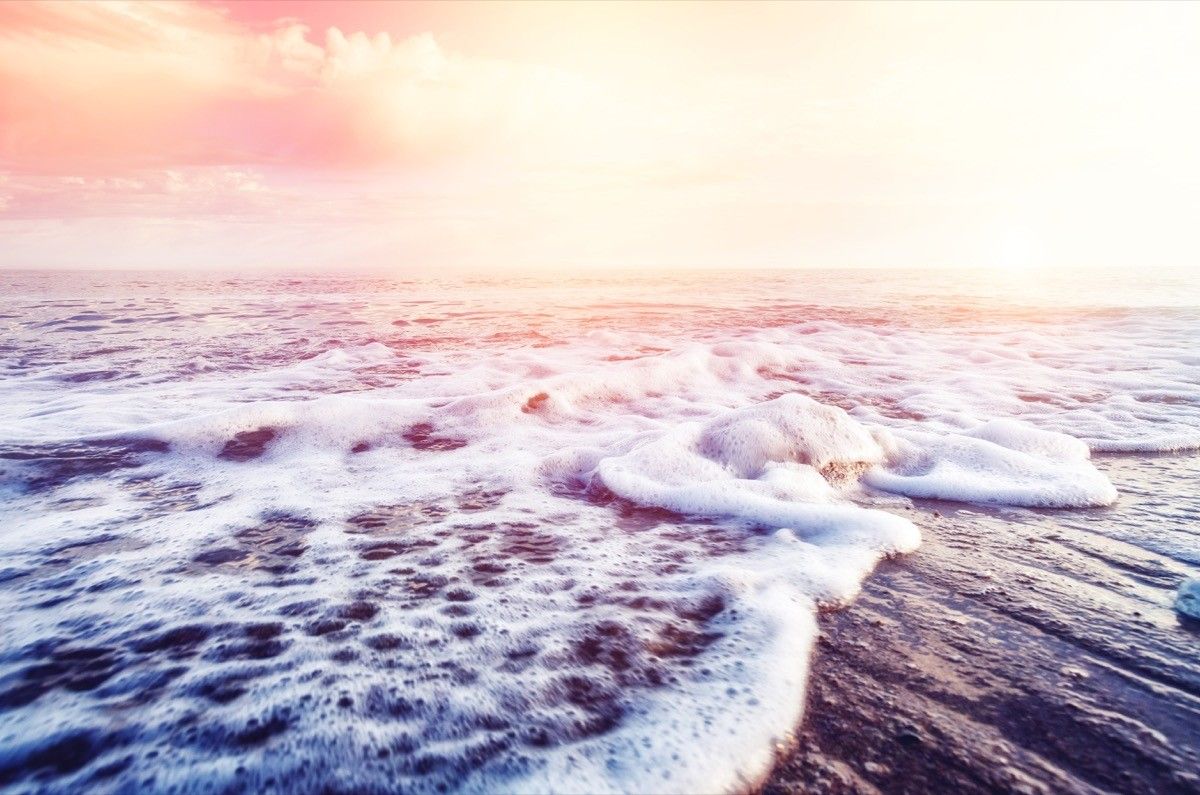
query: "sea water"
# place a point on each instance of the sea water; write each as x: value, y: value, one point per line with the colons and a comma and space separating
x: 510, y: 533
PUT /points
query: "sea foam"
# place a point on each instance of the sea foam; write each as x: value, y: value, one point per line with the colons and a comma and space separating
x: 518, y: 545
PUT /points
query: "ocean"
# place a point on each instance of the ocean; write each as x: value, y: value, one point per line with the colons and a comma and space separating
x: 527, y: 533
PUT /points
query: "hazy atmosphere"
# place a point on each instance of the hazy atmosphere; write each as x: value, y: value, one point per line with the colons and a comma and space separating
x: 500, y: 136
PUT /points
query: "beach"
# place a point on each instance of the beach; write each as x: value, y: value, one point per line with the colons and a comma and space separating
x: 599, y: 398
x: 504, y: 534
x: 1015, y: 652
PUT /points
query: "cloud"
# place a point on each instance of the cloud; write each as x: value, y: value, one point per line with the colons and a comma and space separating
x: 179, y: 192
x: 887, y: 134
x: 110, y: 87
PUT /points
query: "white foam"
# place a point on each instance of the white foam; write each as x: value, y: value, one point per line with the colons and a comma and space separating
x: 1040, y: 472
x: 1187, y: 599
x: 767, y: 438
x: 1024, y: 438
x: 761, y: 465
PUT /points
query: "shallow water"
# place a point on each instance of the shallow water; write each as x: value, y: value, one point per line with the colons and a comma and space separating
x: 1018, y: 650
x: 491, y: 534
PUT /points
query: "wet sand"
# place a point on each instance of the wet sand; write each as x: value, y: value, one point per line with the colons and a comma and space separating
x: 1017, y: 651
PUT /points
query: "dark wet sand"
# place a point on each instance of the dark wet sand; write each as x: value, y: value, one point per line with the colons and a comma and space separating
x: 1017, y: 651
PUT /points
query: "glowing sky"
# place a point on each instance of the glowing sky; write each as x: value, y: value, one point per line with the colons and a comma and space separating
x: 568, y: 135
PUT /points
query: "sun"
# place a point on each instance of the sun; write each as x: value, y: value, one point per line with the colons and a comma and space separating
x: 1017, y: 247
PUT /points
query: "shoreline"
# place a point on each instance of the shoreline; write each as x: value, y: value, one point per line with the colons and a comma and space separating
x: 1015, y: 651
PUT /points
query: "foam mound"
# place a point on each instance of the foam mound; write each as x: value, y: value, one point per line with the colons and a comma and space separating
x: 1187, y: 599
x: 999, y: 463
x: 762, y: 465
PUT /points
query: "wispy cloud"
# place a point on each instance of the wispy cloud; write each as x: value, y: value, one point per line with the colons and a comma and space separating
x: 109, y: 87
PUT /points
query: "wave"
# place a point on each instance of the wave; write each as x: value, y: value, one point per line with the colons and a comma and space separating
x: 592, y: 565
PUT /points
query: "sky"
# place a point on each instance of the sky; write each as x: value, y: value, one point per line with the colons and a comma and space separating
x: 417, y: 137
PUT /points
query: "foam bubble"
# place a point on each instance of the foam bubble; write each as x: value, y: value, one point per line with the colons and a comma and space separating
x: 1040, y: 471
x: 1187, y: 599
x: 506, y: 538
x: 763, y: 465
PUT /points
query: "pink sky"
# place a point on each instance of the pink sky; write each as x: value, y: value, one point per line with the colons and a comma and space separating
x: 422, y: 136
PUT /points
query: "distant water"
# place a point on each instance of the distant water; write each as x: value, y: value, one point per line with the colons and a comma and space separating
x: 521, y: 534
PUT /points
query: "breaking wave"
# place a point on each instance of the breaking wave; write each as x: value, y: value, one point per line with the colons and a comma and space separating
x: 581, y: 562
